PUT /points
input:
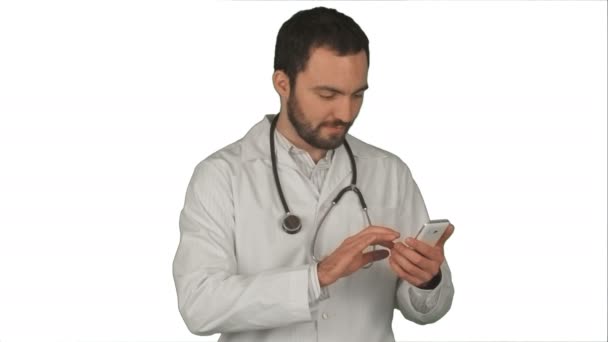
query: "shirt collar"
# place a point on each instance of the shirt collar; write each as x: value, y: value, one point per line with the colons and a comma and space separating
x: 254, y: 145
x: 293, y: 150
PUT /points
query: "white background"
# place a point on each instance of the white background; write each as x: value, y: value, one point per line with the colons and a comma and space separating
x: 499, y: 109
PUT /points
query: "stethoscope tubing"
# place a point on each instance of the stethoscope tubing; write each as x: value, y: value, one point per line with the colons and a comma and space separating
x: 288, y: 215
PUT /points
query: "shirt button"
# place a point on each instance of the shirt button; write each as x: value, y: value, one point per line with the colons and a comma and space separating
x: 325, y: 315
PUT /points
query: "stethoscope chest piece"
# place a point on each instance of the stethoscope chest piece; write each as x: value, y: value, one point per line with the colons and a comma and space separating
x: 291, y: 223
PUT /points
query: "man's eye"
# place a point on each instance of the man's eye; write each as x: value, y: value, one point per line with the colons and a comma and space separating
x: 359, y: 95
x: 327, y: 96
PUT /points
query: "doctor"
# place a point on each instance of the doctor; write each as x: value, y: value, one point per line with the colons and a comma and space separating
x: 286, y: 233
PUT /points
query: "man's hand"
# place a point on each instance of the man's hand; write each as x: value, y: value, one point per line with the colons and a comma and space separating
x: 349, y: 256
x: 418, y: 263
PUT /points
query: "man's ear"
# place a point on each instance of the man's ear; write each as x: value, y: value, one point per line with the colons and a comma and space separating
x: 280, y: 81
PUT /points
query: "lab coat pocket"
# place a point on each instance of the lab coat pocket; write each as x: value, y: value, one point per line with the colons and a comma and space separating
x: 384, y: 216
x: 380, y: 272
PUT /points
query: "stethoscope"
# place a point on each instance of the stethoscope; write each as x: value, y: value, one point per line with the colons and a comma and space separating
x: 291, y: 223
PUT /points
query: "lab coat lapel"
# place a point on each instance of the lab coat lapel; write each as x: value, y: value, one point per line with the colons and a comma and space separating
x: 337, y: 177
x: 256, y: 145
x: 283, y: 157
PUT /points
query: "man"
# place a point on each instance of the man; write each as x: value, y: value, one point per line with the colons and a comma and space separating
x: 243, y: 271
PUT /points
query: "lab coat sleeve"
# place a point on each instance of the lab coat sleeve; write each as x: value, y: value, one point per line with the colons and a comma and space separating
x: 212, y: 296
x: 419, y: 305
x: 316, y: 293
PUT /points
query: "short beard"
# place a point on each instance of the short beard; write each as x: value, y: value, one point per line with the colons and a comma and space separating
x: 312, y: 135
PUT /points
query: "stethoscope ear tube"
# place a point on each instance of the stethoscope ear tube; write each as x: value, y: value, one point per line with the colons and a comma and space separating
x: 273, y: 158
x: 354, y: 189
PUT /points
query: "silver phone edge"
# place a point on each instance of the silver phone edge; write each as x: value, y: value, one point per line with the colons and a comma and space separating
x: 430, y: 222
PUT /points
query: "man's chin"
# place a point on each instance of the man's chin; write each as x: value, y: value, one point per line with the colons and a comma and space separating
x: 334, y: 142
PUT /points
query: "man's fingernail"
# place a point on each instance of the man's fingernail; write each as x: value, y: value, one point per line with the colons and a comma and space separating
x: 409, y: 240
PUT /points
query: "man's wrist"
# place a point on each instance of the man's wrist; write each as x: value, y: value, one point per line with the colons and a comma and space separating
x: 321, y: 276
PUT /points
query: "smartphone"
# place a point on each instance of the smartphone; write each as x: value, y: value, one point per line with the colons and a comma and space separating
x: 431, y: 231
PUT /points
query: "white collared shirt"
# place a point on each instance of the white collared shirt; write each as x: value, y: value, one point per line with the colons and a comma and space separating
x: 314, y: 172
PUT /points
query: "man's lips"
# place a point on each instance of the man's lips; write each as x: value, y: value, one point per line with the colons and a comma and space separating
x: 335, y: 128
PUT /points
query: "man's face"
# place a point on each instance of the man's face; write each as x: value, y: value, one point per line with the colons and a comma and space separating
x: 327, y: 97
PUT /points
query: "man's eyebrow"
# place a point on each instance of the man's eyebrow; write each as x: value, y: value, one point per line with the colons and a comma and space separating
x: 338, y: 91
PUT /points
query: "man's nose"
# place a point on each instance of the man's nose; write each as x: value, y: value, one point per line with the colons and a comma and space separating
x: 347, y: 109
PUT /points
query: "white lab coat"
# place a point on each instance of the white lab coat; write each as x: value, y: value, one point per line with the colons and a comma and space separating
x: 238, y: 273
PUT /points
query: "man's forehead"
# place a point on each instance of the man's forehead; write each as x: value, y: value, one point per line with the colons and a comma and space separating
x: 324, y: 56
x: 326, y: 68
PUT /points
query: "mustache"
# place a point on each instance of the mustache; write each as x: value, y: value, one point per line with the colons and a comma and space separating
x: 337, y: 123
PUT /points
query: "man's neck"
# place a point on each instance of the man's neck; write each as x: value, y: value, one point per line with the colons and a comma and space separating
x: 289, y: 132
